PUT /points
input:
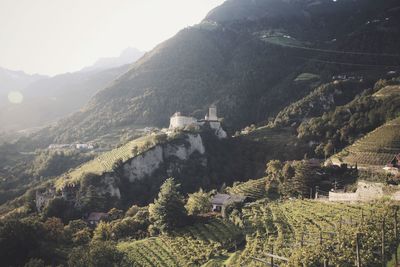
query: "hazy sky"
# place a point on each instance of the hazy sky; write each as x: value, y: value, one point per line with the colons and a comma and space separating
x: 56, y: 36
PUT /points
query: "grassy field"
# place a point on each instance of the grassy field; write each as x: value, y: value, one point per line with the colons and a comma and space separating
x: 105, y: 162
x: 375, y: 149
x: 192, y: 246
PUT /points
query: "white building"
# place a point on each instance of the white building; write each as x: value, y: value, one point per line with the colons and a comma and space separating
x: 84, y: 146
x: 179, y: 121
x: 212, y: 114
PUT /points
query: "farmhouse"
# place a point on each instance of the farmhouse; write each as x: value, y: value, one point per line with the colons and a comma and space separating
x: 219, y: 201
x: 394, y: 165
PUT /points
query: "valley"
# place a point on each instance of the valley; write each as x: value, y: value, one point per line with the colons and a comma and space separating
x: 265, y: 135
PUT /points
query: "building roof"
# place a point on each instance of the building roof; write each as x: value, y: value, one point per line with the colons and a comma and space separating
x: 222, y: 199
x: 97, y: 216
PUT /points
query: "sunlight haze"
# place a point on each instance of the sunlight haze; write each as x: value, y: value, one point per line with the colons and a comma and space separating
x: 52, y: 37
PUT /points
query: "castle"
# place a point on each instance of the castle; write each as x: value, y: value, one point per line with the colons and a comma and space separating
x: 179, y: 121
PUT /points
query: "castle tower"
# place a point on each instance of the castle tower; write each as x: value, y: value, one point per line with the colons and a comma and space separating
x: 212, y: 113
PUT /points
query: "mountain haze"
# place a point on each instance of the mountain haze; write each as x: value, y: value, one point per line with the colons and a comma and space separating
x: 15, y: 81
x: 49, y: 98
x: 128, y: 56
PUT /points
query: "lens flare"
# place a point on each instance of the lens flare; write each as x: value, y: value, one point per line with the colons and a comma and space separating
x: 15, y: 97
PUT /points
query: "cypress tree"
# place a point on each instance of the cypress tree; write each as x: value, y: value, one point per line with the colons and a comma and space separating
x: 168, y: 210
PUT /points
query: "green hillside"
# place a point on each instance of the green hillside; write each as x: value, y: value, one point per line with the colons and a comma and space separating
x: 323, y: 99
x: 375, y: 149
x: 106, y: 161
x: 342, y: 125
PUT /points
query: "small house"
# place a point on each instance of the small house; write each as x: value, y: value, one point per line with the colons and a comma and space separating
x: 95, y: 217
x: 219, y: 201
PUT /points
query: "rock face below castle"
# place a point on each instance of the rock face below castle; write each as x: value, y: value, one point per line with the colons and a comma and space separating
x: 147, y: 163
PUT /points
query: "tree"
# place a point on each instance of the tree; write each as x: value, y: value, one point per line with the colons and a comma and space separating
x: 59, y: 208
x: 102, y: 232
x: 329, y: 149
x: 302, y: 179
x: 288, y: 171
x: 81, y: 237
x: 130, y: 227
x: 168, y: 211
x: 79, y: 257
x: 54, y: 229
x: 19, y: 240
x: 98, y: 254
x: 132, y: 211
x: 274, y: 168
x: 115, y: 214
x: 198, y: 202
x: 104, y: 254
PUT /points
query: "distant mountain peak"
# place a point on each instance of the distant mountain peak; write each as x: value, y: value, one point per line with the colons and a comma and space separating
x: 127, y: 56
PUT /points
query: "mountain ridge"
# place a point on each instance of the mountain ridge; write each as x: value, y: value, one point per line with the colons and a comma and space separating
x: 243, y: 65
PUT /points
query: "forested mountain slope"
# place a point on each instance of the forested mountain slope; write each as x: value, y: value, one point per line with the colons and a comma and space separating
x: 246, y: 62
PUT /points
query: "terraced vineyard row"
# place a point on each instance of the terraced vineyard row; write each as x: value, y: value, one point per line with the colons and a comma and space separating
x: 194, y: 245
x: 298, y: 226
x: 375, y: 149
x: 105, y: 162
x: 254, y: 189
x: 368, y: 158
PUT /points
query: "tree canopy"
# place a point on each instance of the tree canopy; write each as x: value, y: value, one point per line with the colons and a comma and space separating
x: 168, y: 211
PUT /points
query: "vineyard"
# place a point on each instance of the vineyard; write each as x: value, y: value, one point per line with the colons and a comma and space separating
x: 279, y: 142
x: 105, y: 162
x: 254, y: 189
x: 299, y: 232
x: 375, y: 149
x: 388, y: 91
x: 193, y: 245
x: 307, y: 231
